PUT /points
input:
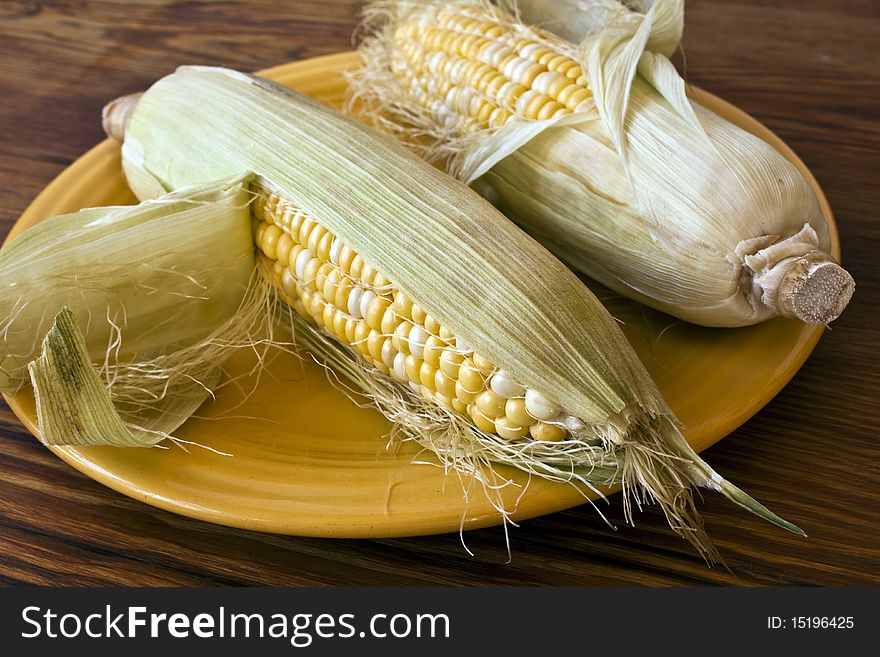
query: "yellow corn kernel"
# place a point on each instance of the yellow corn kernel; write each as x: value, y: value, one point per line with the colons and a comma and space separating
x: 450, y: 363
x: 515, y: 411
x: 350, y: 326
x: 283, y: 247
x: 375, y: 341
x: 269, y: 239
x: 376, y: 312
x: 426, y: 375
x: 342, y: 291
x: 443, y: 384
x: 390, y: 321
x: 434, y: 348
x: 547, y: 432
x: 305, y: 229
x: 418, y: 315
x: 481, y: 421
x: 328, y: 316
x: 315, y: 236
x: 472, y: 380
x: 322, y: 274
x: 509, y: 430
x: 402, y: 305
x: 484, y: 365
x: 361, y: 333
x: 401, y: 337
x: 413, y: 368
x: 490, y: 404
x: 339, y: 324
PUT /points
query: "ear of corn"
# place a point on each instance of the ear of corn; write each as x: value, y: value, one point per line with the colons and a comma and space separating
x: 596, y: 150
x: 465, y: 332
x: 441, y: 244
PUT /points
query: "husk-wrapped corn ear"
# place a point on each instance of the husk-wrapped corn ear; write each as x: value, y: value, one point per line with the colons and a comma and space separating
x: 596, y: 151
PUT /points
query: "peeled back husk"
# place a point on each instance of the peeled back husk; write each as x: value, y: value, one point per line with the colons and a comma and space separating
x: 642, y: 189
x: 138, y: 305
x: 451, y: 252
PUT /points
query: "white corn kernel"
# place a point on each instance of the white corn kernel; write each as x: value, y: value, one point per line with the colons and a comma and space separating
x: 505, y: 386
x: 388, y: 353
x: 417, y: 338
x: 399, y: 367
x: 354, y: 302
x: 301, y: 261
x: 334, y: 251
x: 539, y: 407
x: 366, y: 301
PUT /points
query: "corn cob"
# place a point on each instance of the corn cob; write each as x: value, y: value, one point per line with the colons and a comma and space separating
x: 329, y: 284
x: 468, y: 334
x: 484, y: 75
x: 597, y: 153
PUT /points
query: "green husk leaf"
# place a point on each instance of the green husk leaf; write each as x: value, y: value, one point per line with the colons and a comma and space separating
x: 160, y: 274
x: 151, y: 300
x: 73, y: 404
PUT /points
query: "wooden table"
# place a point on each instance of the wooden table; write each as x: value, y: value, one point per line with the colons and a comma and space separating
x: 810, y: 72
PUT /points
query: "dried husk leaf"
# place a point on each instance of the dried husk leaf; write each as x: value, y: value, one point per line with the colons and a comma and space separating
x: 73, y: 405
x: 647, y: 192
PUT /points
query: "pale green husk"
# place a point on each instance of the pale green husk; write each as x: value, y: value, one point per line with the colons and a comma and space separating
x: 127, y: 270
x: 647, y: 192
x: 448, y: 249
x: 140, y: 306
x: 73, y: 404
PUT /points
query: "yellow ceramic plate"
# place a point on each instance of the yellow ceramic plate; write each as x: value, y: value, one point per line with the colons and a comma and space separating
x: 314, y: 464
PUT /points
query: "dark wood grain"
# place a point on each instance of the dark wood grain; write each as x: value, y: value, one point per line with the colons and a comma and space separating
x: 808, y: 69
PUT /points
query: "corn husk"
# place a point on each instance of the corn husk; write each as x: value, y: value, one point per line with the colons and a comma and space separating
x: 75, y: 406
x: 451, y: 252
x: 646, y: 191
x: 575, y: 19
x: 138, y: 305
